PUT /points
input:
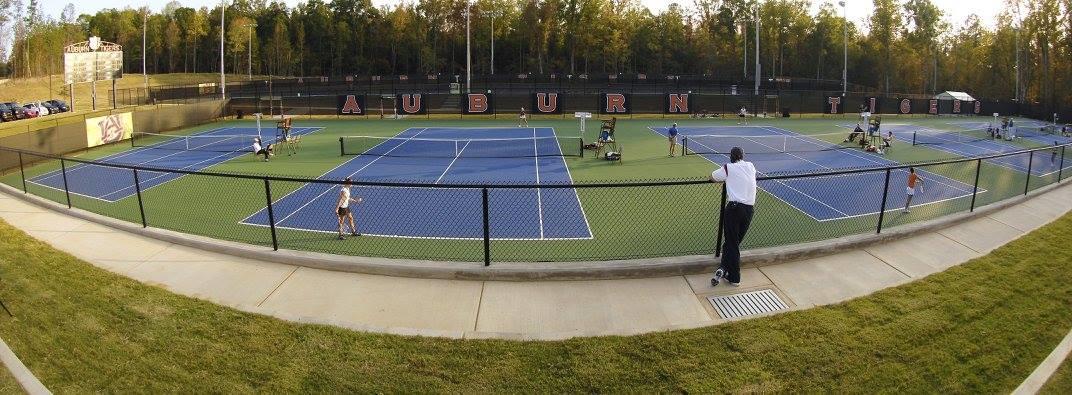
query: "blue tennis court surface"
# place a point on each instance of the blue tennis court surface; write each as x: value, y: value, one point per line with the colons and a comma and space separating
x: 457, y: 213
x: 113, y: 184
x: 833, y: 197
x: 1040, y: 164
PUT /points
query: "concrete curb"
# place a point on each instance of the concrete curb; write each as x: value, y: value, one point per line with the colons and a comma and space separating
x: 1038, y: 378
x: 23, y: 376
x: 525, y: 271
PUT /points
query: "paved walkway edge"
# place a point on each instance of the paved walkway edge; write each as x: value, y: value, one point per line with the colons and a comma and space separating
x: 1047, y: 368
x: 526, y: 271
x: 23, y: 376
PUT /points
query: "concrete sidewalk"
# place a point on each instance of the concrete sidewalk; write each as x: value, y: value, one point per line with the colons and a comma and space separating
x: 519, y: 310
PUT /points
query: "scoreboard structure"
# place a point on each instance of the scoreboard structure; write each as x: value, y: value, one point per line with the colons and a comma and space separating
x: 92, y: 61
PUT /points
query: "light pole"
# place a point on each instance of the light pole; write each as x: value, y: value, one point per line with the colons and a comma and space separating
x: 493, y: 43
x: 845, y: 64
x: 250, y: 44
x: 756, y: 93
x: 223, y: 79
x: 144, y: 28
x: 468, y: 57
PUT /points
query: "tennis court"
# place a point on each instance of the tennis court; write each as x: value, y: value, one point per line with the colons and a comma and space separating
x: 447, y: 155
x: 193, y: 153
x: 776, y: 150
x: 1028, y: 130
x: 977, y: 142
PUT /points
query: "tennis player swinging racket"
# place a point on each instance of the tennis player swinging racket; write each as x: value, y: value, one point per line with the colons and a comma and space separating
x: 342, y: 208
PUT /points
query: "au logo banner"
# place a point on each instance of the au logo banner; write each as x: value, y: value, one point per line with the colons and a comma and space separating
x: 410, y: 103
x: 677, y: 103
x: 546, y: 103
x: 350, y: 105
x: 109, y: 129
x: 477, y: 103
x: 615, y: 103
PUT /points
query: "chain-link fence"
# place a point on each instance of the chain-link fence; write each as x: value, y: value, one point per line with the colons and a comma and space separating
x: 525, y: 223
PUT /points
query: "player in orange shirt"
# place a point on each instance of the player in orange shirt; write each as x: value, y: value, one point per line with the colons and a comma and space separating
x: 913, y: 179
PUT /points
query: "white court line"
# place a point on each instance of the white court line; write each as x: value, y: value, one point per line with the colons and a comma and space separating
x: 426, y: 237
x: 456, y: 156
x: 588, y: 227
x: 867, y: 157
x: 844, y: 215
x: 777, y: 181
x: 539, y: 195
x: 332, y: 186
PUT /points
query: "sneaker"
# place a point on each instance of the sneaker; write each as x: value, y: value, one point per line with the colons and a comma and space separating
x: 719, y: 274
x: 355, y: 234
x: 735, y: 284
x: 341, y: 237
x: 906, y: 211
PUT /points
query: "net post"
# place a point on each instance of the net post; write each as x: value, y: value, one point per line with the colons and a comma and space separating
x: 885, y: 195
x: 1060, y: 168
x: 721, y: 216
x: 914, y: 138
x: 1030, y: 161
x: 66, y: 190
x: 684, y: 145
x: 975, y: 189
x: 487, y: 229
x: 271, y: 213
x: 141, y: 206
x: 342, y: 149
x: 580, y: 141
x: 21, y: 171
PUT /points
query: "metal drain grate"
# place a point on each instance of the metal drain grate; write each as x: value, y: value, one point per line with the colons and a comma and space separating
x: 748, y: 303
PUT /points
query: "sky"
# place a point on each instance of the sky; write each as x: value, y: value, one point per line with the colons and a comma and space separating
x: 857, y: 10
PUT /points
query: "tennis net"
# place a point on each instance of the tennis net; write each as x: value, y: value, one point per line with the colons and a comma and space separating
x: 769, y: 144
x: 933, y: 137
x: 471, y: 148
x: 210, y: 142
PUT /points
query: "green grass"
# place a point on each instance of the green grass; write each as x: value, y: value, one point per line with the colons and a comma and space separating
x: 626, y: 222
x: 1061, y: 381
x: 8, y: 385
x: 981, y: 327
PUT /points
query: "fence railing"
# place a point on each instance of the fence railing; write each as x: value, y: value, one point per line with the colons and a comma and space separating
x: 551, y: 221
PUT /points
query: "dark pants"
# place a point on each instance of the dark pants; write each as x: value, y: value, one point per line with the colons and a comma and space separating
x: 263, y: 151
x: 738, y: 217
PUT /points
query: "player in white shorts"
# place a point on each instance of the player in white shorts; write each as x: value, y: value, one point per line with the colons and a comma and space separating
x: 342, y: 208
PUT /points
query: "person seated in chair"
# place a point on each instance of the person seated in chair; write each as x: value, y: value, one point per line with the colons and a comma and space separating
x: 858, y: 132
x: 259, y: 149
x: 284, y: 126
x: 887, y: 140
x: 606, y: 130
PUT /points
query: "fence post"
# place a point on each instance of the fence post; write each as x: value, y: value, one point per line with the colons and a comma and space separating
x: 1030, y: 161
x: 141, y: 207
x: 487, y: 230
x: 1060, y: 168
x: 271, y: 213
x: 975, y: 189
x: 721, y: 215
x: 885, y: 194
x: 21, y: 171
x: 66, y: 190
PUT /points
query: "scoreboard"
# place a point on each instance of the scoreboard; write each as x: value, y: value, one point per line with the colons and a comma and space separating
x: 81, y: 63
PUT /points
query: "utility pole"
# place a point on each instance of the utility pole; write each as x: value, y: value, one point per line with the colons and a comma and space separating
x: 756, y: 93
x: 845, y: 64
x: 492, y: 43
x: 144, y: 28
x: 250, y: 45
x: 468, y: 47
x: 223, y: 79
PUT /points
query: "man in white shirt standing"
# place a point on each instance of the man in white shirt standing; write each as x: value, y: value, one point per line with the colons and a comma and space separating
x: 342, y: 208
x: 740, y: 178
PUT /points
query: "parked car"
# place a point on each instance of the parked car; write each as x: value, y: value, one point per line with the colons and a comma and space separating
x: 19, y: 112
x: 51, y: 109
x: 59, y: 104
x: 6, y: 114
x: 30, y: 112
x: 37, y: 107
